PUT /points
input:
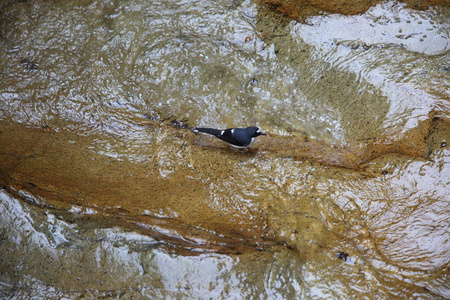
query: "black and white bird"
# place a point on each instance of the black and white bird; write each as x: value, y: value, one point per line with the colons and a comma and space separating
x: 237, y: 137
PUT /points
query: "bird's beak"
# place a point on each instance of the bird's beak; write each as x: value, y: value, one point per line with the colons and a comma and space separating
x: 262, y: 133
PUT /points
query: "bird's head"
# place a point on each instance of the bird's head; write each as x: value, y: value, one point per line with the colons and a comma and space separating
x: 255, y: 131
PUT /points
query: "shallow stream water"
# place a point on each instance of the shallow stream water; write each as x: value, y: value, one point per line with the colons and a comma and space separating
x: 105, y: 192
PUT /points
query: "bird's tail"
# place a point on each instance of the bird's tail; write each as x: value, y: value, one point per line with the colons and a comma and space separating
x: 215, y: 132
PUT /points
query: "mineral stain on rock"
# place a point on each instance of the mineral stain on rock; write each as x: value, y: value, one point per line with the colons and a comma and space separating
x: 61, y: 168
x: 300, y: 9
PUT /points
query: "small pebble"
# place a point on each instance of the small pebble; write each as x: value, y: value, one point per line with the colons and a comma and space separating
x: 342, y: 255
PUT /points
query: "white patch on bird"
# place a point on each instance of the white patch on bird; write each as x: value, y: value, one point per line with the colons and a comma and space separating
x: 238, y: 147
x: 195, y: 130
x: 243, y: 147
x: 232, y: 131
x: 258, y: 131
x: 221, y: 133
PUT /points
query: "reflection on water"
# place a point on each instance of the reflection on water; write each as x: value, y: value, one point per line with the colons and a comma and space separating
x: 413, y: 84
x: 346, y: 197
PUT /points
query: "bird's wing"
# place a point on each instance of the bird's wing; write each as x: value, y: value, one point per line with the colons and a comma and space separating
x: 235, y: 136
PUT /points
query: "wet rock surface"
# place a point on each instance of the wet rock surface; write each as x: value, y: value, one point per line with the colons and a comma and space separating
x: 105, y: 192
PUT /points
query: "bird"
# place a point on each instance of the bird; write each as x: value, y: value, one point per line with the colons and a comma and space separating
x: 240, y: 138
